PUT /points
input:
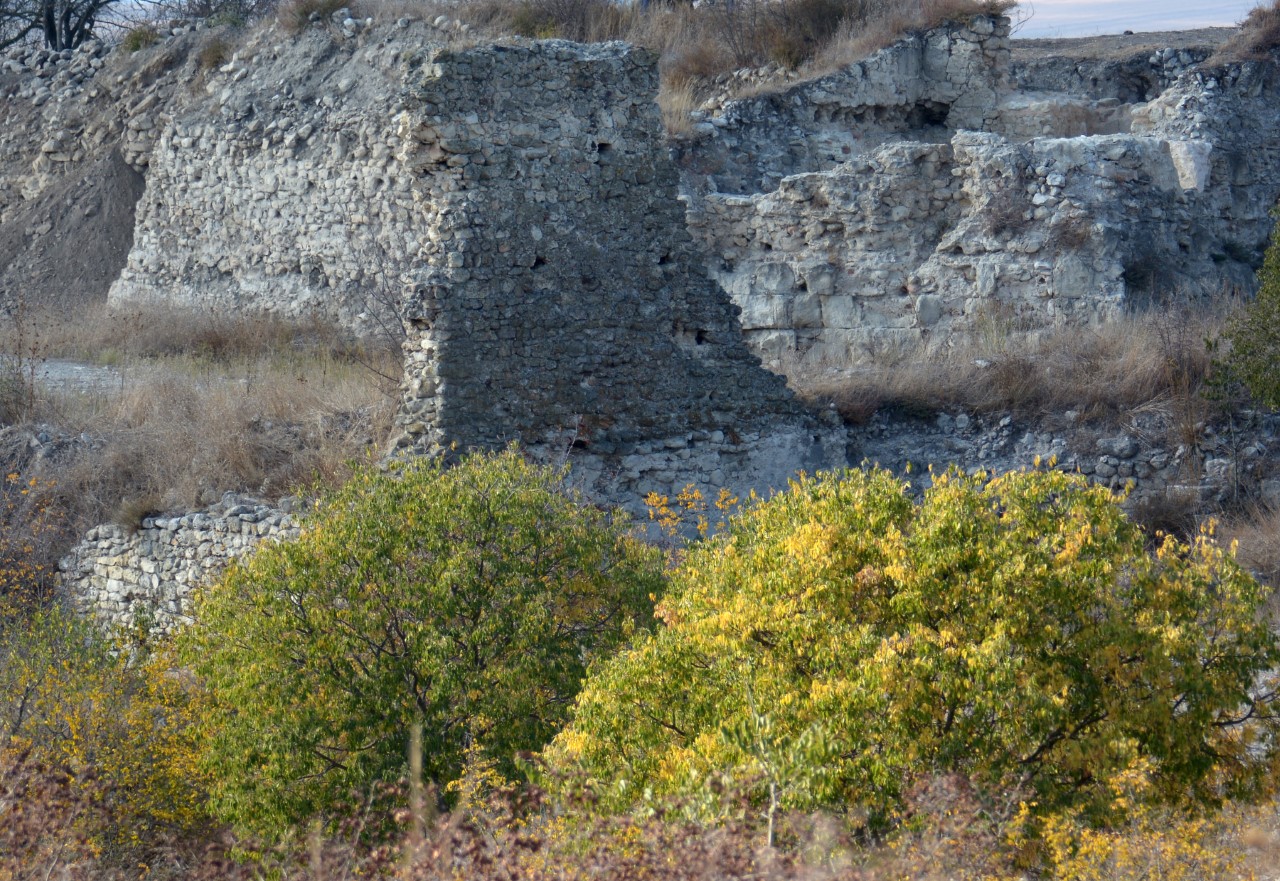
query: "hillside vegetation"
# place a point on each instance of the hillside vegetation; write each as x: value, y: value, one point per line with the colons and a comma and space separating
x: 842, y: 683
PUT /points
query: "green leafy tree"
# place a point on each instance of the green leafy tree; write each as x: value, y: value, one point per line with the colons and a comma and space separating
x: 1254, y: 336
x: 469, y: 599
x: 840, y: 640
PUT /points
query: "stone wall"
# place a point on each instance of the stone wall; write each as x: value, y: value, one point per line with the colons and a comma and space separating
x: 1025, y: 212
x: 1166, y: 471
x: 555, y: 296
x: 921, y: 88
x: 938, y: 241
x: 278, y: 187
x: 562, y: 303
x: 144, y: 577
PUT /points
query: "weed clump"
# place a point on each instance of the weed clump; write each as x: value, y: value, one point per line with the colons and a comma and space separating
x: 296, y: 15
x: 140, y: 38
x: 1258, y: 37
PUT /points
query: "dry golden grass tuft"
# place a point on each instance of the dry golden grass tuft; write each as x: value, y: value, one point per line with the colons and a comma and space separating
x: 1258, y: 534
x: 1140, y: 362
x: 1258, y: 37
x: 676, y: 104
x: 213, y: 53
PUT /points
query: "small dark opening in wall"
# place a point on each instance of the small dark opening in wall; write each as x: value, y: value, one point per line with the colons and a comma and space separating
x: 539, y: 260
x: 700, y: 337
x: 802, y: 285
x: 579, y: 444
x: 926, y: 114
x: 664, y: 259
x: 603, y: 147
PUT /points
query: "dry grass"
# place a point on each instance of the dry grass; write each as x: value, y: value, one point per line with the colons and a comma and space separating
x: 194, y: 407
x: 890, y: 20
x: 696, y: 45
x: 295, y: 15
x: 1141, y: 362
x: 1258, y: 37
x: 677, y: 103
x: 213, y: 53
x: 1258, y: 535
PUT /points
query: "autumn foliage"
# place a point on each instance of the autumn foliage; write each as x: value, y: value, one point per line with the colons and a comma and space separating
x: 843, y: 681
x: 841, y: 640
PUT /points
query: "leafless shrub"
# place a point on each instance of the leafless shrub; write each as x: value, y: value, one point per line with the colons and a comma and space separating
x: 1171, y: 511
x: 41, y: 836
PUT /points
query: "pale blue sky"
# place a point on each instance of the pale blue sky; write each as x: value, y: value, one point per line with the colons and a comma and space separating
x: 1071, y: 18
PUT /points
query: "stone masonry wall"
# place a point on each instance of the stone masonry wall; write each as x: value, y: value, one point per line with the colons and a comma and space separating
x: 145, y: 577
x: 979, y: 221
x: 562, y: 303
x: 278, y: 186
x: 555, y: 296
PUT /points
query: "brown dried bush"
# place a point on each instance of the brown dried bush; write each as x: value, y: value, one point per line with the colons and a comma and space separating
x: 1258, y: 37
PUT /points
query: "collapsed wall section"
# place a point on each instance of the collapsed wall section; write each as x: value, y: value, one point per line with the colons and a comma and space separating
x: 922, y: 88
x: 562, y: 303
x: 143, y: 578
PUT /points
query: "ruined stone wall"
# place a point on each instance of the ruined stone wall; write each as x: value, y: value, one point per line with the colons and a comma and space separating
x: 921, y: 241
x: 562, y: 303
x: 278, y: 187
x: 1041, y: 211
x: 921, y: 88
x: 555, y: 299
x: 145, y: 577
x: 1224, y: 124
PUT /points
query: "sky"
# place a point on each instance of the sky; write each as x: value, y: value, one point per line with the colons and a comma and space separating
x: 1073, y: 18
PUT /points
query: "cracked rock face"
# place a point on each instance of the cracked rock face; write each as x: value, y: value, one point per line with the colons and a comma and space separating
x: 927, y: 192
